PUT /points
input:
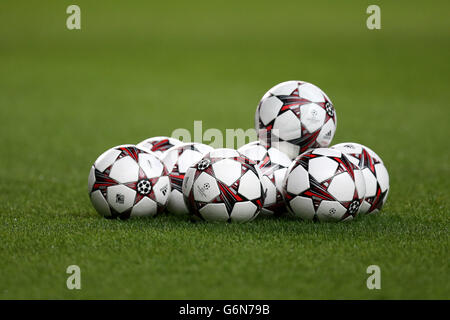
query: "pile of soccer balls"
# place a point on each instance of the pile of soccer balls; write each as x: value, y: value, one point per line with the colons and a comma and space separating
x: 289, y: 170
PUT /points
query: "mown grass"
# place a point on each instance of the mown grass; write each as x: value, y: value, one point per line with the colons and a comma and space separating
x: 137, y: 70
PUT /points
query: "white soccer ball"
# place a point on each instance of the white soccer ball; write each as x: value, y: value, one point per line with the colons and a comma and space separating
x: 374, y: 171
x: 224, y: 186
x: 295, y: 116
x: 127, y: 181
x: 177, y: 160
x: 273, y: 164
x: 323, y: 184
x: 159, y: 145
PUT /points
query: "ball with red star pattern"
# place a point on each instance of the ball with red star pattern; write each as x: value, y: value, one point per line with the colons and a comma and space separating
x: 323, y: 185
x: 374, y: 171
x: 127, y: 181
x: 159, y: 145
x: 177, y: 160
x: 295, y: 116
x: 224, y: 186
x: 273, y: 164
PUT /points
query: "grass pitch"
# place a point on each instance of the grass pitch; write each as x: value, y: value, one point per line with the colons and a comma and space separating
x: 137, y: 70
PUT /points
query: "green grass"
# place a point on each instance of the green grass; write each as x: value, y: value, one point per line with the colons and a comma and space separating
x: 137, y: 70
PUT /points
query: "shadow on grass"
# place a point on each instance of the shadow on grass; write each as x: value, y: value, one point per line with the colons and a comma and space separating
x: 364, y: 226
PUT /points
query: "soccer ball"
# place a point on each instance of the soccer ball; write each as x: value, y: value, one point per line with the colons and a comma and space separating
x: 295, y: 116
x: 127, y: 181
x: 273, y: 164
x: 177, y: 160
x: 224, y: 186
x: 159, y: 145
x: 323, y: 184
x: 374, y: 172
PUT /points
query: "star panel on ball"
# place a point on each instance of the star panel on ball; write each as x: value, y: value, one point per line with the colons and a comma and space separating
x: 323, y: 185
x: 127, y: 181
x: 177, y: 160
x: 159, y: 145
x: 273, y: 164
x: 224, y: 186
x: 295, y: 116
x: 375, y: 174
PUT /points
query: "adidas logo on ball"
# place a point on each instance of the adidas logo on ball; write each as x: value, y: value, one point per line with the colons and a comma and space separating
x: 120, y: 198
x: 164, y: 190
